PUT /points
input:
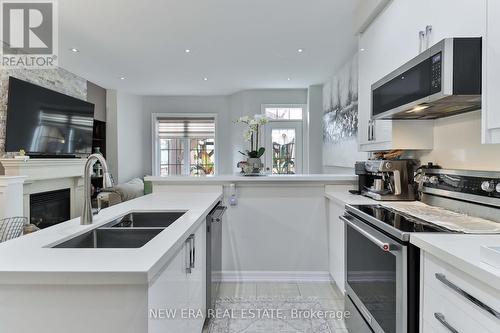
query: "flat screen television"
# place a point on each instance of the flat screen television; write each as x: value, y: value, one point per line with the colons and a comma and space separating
x: 45, y: 123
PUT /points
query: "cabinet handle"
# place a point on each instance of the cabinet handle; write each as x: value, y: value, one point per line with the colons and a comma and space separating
x: 440, y: 317
x: 421, y: 37
x: 466, y: 295
x: 193, y: 251
x: 189, y: 263
x: 370, y: 130
x: 373, y: 129
x: 428, y: 32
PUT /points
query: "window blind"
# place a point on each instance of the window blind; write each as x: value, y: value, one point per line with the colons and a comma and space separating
x: 186, y: 127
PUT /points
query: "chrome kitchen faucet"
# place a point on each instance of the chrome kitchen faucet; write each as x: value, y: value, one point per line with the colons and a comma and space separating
x: 107, y: 182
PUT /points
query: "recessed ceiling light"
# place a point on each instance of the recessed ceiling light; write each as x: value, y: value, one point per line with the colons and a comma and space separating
x: 74, y: 50
x: 289, y: 79
x: 300, y: 50
x: 187, y: 50
x: 205, y: 79
x: 122, y: 78
x: 361, y: 49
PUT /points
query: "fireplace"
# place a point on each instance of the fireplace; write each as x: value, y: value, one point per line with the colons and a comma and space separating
x: 50, y: 208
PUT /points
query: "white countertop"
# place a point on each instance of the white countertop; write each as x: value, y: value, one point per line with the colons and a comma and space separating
x: 29, y: 259
x: 321, y: 178
x: 462, y: 252
x: 343, y: 197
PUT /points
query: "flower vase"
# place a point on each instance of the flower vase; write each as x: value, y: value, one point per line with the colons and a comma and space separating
x: 254, y: 165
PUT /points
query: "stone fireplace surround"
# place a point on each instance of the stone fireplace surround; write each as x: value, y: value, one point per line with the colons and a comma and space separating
x: 39, y: 175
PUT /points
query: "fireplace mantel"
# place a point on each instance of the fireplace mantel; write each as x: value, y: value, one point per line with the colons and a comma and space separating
x: 47, y: 174
x: 43, y: 168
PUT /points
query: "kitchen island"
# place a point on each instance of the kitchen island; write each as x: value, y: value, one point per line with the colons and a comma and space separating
x: 46, y: 289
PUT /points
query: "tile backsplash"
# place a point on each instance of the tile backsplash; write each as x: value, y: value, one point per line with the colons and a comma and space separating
x: 56, y: 79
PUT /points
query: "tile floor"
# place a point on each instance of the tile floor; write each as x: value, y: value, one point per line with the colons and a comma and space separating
x: 237, y: 296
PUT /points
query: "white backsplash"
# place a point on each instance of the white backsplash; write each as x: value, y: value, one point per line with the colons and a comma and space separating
x: 457, y: 145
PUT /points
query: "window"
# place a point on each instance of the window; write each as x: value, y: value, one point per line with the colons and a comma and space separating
x: 283, y: 138
x: 283, y: 113
x: 185, y: 146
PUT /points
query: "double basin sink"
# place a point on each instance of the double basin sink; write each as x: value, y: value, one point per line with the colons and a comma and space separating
x: 133, y: 230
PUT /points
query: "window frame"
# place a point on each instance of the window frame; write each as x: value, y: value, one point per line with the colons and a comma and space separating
x: 155, y: 142
x: 305, y: 128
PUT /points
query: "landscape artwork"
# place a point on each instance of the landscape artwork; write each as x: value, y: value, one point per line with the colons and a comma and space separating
x: 340, y: 118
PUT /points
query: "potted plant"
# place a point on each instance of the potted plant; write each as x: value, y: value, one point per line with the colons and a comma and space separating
x: 254, y: 164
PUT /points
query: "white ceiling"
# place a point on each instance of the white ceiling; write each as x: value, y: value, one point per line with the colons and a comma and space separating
x: 236, y: 44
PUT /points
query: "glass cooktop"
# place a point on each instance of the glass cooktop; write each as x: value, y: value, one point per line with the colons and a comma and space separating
x: 395, y: 219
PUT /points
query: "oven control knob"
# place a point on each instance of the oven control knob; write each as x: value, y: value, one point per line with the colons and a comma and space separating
x: 498, y: 188
x: 488, y: 186
x: 434, y: 180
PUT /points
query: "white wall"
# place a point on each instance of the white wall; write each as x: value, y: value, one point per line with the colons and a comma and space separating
x: 315, y: 115
x: 125, y: 135
x: 228, y: 108
x: 457, y: 145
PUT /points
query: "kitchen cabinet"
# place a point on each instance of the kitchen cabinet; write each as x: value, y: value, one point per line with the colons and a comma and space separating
x: 336, y: 243
x: 393, y: 39
x: 390, y: 41
x: 444, y: 304
x: 491, y: 75
x: 178, y: 288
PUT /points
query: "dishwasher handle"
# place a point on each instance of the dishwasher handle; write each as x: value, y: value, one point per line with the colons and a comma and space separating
x: 216, y: 214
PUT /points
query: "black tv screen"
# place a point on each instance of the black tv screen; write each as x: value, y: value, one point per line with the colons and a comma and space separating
x: 44, y: 122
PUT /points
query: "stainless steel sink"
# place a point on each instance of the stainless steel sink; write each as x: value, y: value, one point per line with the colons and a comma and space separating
x: 146, y: 220
x: 112, y: 238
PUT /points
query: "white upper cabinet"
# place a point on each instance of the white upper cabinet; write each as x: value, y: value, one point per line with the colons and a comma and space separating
x: 392, y: 40
x: 389, y: 42
x: 457, y: 18
x: 491, y: 74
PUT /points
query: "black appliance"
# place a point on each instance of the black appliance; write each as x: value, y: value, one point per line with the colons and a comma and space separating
x: 214, y: 255
x: 46, y: 123
x: 382, y: 267
x: 442, y: 81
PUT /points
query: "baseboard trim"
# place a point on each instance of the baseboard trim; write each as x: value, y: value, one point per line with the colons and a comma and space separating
x: 272, y: 276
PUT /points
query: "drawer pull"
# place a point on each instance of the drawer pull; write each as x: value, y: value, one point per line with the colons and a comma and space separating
x: 463, y: 293
x: 440, y: 317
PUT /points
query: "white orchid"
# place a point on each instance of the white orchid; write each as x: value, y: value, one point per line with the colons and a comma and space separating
x: 252, y: 133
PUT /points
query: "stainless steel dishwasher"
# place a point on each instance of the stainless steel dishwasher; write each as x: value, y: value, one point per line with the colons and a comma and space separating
x: 214, y: 253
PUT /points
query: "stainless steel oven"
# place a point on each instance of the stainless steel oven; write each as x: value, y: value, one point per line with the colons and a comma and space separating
x: 376, y: 278
x: 382, y: 269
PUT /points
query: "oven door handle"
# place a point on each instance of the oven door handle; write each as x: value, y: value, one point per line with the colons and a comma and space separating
x: 386, y: 247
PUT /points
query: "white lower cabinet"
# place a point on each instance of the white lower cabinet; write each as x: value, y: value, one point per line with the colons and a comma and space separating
x: 178, y: 291
x: 450, y: 297
x: 336, y: 243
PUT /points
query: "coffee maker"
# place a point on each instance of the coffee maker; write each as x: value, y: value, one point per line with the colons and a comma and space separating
x: 387, y: 180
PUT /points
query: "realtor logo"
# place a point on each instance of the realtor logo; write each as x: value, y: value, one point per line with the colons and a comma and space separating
x: 29, y: 33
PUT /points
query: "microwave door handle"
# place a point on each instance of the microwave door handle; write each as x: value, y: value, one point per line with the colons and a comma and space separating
x: 386, y: 247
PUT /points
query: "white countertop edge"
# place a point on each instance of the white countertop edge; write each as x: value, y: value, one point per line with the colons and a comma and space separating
x: 322, y: 178
x: 479, y: 270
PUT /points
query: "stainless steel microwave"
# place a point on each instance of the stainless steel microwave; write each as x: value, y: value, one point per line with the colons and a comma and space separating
x: 442, y: 81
